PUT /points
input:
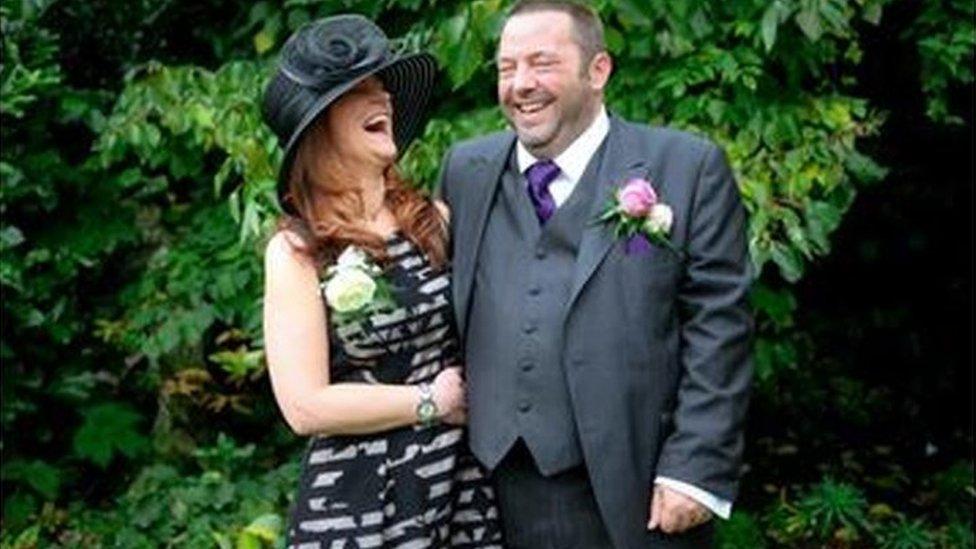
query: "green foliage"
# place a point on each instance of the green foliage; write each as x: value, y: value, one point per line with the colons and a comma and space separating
x: 957, y: 534
x: 18, y: 509
x: 42, y: 477
x: 946, y: 40
x: 25, y: 540
x: 906, y: 534
x: 198, y: 276
x: 29, y: 70
x: 265, y: 529
x: 837, y: 514
x: 169, y: 119
x: 741, y: 531
x: 829, y: 510
x: 134, y: 212
x: 109, y: 429
x: 228, y: 501
x: 956, y: 490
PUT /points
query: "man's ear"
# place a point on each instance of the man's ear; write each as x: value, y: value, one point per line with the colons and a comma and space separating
x: 600, y: 68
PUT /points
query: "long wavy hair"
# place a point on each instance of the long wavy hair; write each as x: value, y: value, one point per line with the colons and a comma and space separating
x: 327, y: 227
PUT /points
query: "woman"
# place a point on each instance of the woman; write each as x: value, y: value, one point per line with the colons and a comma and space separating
x: 357, y: 319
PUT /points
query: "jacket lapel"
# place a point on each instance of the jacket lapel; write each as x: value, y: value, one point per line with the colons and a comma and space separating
x: 478, y: 193
x: 620, y: 162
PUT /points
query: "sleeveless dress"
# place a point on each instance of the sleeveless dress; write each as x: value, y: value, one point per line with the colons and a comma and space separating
x: 410, y: 487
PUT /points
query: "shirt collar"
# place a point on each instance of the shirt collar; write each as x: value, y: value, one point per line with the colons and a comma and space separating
x: 572, y: 161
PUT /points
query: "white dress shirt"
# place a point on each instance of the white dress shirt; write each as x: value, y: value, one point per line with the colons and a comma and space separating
x: 572, y: 163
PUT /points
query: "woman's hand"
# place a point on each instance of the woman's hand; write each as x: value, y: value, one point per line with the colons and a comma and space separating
x: 450, y: 395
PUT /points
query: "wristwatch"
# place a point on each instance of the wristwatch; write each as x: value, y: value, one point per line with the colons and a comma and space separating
x: 426, y: 408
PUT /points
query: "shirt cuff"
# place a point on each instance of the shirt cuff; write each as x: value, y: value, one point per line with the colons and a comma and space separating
x: 720, y: 507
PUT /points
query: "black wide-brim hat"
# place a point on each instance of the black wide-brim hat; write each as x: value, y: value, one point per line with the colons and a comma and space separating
x: 323, y: 60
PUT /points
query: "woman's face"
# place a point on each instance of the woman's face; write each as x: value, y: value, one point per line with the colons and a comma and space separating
x: 359, y: 126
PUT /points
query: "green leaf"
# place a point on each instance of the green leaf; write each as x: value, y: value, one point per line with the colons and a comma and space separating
x: 789, y: 261
x: 43, y: 478
x: 809, y: 21
x: 263, y: 41
x: 777, y: 305
x: 822, y: 218
x: 222, y: 540
x: 109, y: 429
x: 634, y: 11
x: 741, y: 530
x: 467, y: 58
x: 18, y: 508
x: 10, y: 237
x: 769, y: 25
x: 266, y: 527
x: 615, y: 41
x: 248, y: 540
x: 872, y: 13
x: 28, y: 539
x: 864, y: 168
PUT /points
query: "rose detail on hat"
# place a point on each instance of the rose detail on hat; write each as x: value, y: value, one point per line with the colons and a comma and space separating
x: 639, y: 216
x: 324, y: 56
x: 340, y: 51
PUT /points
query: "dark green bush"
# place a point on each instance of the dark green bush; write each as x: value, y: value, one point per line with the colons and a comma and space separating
x: 137, y: 191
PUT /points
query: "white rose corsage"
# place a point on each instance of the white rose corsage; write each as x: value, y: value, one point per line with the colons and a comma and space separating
x: 355, y: 288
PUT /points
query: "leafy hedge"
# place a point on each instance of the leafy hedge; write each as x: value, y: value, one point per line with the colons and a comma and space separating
x: 137, y: 190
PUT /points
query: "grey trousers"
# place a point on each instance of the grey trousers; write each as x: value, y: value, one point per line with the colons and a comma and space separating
x: 560, y: 512
x: 538, y: 512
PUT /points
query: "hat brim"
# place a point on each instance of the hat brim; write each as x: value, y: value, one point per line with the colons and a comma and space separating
x: 410, y: 82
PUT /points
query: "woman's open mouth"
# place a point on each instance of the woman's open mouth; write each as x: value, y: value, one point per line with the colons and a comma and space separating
x: 379, y: 123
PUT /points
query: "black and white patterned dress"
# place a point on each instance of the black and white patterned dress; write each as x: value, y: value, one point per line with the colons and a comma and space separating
x: 406, y: 488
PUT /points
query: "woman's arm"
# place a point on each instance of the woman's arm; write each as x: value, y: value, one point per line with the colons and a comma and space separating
x: 297, y: 350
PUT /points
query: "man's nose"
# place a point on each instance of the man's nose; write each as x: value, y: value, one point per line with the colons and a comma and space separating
x: 524, y: 79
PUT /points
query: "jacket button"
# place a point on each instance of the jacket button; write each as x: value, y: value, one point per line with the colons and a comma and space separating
x: 535, y: 291
x: 529, y: 328
x: 526, y: 366
x: 524, y: 406
x: 540, y: 254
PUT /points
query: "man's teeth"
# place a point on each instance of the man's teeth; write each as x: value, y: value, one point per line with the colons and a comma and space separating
x: 530, y: 108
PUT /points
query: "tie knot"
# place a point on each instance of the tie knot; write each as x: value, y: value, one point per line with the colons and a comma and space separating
x: 542, y: 173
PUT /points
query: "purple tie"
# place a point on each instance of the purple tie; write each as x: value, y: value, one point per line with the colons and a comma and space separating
x: 540, y: 175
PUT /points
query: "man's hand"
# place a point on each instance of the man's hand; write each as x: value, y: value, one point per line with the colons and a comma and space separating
x: 674, y: 512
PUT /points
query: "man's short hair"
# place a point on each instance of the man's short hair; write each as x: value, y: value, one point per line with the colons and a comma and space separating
x: 588, y: 33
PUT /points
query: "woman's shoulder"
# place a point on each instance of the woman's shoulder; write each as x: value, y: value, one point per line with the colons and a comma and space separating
x: 287, y: 251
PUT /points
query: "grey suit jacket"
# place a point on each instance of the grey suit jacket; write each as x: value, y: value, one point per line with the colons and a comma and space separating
x: 656, y: 346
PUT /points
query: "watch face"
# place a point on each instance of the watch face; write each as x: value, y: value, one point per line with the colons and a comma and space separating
x: 426, y: 410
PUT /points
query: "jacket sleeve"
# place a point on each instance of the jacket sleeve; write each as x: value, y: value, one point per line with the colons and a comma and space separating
x: 705, y: 448
x: 443, y: 189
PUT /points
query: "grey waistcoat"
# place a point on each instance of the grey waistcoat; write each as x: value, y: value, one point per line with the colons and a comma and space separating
x: 515, y: 331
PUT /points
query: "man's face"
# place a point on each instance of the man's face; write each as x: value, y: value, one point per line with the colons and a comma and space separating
x: 544, y: 88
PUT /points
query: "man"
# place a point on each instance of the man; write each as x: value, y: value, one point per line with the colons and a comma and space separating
x: 608, y: 380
